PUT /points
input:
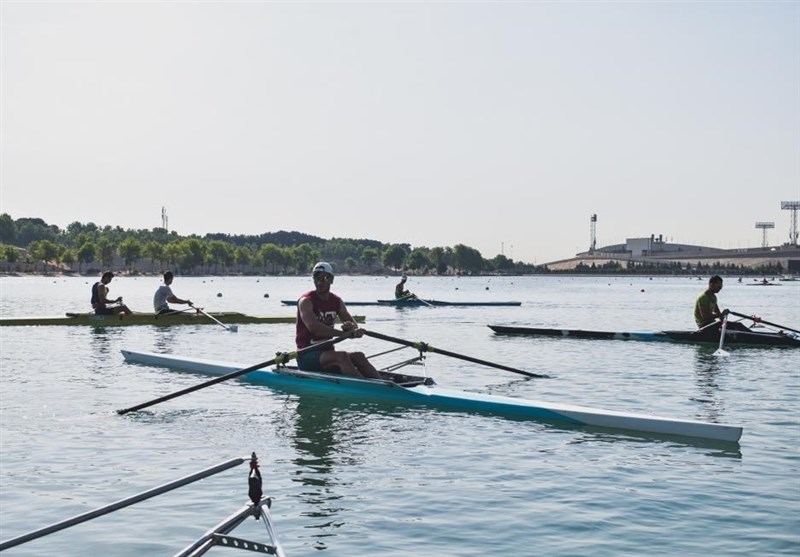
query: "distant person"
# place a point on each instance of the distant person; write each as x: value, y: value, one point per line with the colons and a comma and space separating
x: 399, y: 291
x: 164, y: 296
x: 706, y: 310
x: 100, y: 301
x: 317, y: 311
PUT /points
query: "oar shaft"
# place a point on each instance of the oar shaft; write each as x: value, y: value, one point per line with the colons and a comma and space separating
x: 120, y: 504
x: 427, y: 348
x: 759, y: 320
x: 282, y: 359
x: 214, y: 319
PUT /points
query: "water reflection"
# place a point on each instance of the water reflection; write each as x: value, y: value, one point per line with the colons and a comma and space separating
x: 707, y: 368
x: 101, y: 339
x: 164, y: 338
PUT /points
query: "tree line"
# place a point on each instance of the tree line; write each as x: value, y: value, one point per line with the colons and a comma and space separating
x: 91, y: 248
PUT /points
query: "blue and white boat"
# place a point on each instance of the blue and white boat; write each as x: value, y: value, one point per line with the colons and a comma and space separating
x: 423, y: 391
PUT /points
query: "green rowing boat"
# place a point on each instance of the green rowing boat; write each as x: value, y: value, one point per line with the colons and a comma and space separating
x: 178, y: 318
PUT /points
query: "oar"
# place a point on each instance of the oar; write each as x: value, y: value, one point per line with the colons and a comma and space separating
x: 759, y: 320
x: 121, y: 504
x: 415, y: 297
x: 720, y: 351
x: 279, y: 359
x: 231, y: 328
x: 425, y: 347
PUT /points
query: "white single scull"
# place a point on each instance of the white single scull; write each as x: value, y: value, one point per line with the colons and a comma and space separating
x: 425, y: 392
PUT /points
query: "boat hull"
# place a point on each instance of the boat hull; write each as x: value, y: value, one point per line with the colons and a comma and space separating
x: 424, y: 302
x: 431, y: 395
x: 416, y: 303
x: 148, y: 319
x: 736, y: 337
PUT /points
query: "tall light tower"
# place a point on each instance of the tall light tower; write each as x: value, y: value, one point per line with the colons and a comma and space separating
x: 164, y: 219
x: 764, y: 226
x: 593, y: 233
x: 792, y: 206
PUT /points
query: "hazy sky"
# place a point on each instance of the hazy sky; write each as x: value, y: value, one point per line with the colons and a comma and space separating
x: 499, y: 125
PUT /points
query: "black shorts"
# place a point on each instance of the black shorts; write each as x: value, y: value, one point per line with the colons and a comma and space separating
x: 103, y: 311
x: 309, y: 361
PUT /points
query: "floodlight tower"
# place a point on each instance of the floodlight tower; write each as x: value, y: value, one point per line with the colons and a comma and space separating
x: 764, y: 226
x: 593, y: 233
x: 164, y: 219
x: 792, y: 206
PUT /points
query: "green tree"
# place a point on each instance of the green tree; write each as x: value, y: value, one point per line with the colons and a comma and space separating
x: 8, y: 229
x: 105, y: 250
x: 86, y: 254
x: 154, y: 251
x: 69, y: 257
x: 220, y: 253
x: 130, y: 249
x: 467, y: 259
x: 44, y: 251
x: 394, y: 257
x: 368, y: 257
x: 418, y: 259
x: 193, y: 254
x: 174, y: 254
x: 270, y: 255
x: 242, y: 256
x: 303, y: 257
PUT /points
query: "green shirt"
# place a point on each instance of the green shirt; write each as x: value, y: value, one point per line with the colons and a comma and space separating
x: 708, y: 302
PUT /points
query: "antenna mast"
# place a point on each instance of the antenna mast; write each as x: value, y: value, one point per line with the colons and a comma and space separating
x: 593, y: 233
x: 164, y: 219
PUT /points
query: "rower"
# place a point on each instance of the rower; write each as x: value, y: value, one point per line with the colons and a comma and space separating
x: 317, y: 311
x: 706, y: 309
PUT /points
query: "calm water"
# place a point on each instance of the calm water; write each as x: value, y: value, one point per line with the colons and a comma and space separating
x: 358, y: 479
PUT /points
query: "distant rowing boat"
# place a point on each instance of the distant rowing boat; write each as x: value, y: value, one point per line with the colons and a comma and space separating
x: 179, y: 318
x: 414, y: 302
x: 423, y: 391
x: 737, y: 337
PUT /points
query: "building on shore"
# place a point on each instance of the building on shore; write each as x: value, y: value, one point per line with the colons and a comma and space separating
x: 655, y: 249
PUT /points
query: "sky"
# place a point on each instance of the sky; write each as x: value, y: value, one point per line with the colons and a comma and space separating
x: 499, y: 125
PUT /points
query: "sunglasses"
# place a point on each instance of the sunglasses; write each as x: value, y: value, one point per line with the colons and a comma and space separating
x: 320, y: 277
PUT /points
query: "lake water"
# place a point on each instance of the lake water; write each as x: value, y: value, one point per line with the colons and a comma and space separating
x: 354, y: 478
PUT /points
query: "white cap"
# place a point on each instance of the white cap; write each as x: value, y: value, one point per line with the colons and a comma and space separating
x: 323, y: 267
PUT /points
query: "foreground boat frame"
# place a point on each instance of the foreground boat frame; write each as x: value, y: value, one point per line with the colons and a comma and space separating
x: 423, y: 391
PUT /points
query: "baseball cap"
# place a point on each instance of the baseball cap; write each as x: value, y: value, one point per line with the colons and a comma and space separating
x: 322, y: 267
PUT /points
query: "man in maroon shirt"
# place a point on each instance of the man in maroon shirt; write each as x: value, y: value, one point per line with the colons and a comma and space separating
x: 317, y: 311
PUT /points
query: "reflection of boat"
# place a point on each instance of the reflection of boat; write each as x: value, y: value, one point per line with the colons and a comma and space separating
x: 184, y: 318
x: 416, y: 302
x: 746, y: 337
x: 423, y: 391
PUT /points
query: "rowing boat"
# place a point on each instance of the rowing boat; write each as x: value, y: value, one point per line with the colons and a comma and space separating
x: 739, y: 337
x: 178, y: 318
x: 423, y: 391
x: 416, y: 302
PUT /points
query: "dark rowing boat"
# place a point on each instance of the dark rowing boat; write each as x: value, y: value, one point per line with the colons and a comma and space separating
x: 750, y: 337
